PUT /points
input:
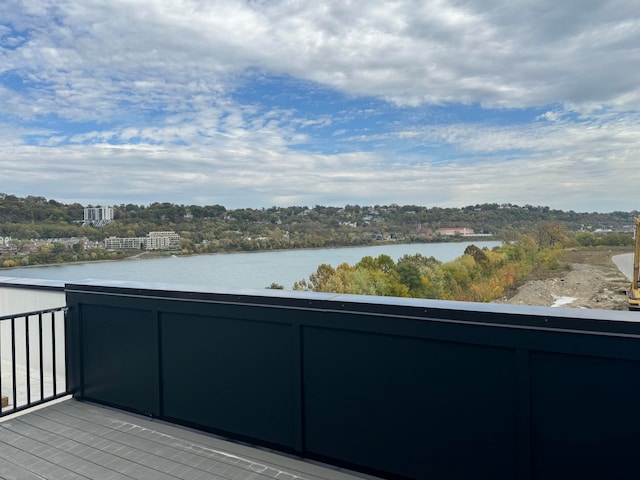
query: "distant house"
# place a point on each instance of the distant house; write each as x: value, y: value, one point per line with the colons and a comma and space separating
x: 7, y: 246
x: 451, y: 232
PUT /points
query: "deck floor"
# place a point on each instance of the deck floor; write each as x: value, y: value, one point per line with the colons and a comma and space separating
x: 78, y: 440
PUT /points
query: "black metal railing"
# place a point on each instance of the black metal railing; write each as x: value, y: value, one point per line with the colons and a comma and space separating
x: 33, y: 365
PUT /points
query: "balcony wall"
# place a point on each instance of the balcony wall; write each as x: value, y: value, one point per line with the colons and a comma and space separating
x: 19, y: 295
x: 399, y: 388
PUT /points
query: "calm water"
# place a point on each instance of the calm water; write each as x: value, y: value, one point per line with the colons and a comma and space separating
x: 237, y: 270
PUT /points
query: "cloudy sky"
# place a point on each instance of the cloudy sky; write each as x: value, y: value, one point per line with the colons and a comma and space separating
x: 266, y: 102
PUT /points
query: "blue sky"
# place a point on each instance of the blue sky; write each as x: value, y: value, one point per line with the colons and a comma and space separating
x: 259, y: 103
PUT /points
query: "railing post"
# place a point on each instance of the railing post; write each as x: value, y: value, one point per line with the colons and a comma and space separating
x: 53, y: 354
x: 27, y: 353
x: 40, y: 346
x: 73, y: 353
x: 13, y: 361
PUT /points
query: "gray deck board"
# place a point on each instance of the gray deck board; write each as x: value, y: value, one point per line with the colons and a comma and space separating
x: 78, y: 440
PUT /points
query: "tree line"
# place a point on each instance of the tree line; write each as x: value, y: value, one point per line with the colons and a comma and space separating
x: 214, y: 228
x: 58, y: 252
x: 479, y: 275
x: 37, y: 217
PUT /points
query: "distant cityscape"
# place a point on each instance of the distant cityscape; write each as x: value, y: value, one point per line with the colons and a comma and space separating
x: 97, y: 217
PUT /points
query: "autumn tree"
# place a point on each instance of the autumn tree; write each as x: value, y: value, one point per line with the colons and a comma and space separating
x: 550, y: 234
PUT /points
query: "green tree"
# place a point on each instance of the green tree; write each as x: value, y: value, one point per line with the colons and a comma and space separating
x: 616, y: 239
x: 584, y: 239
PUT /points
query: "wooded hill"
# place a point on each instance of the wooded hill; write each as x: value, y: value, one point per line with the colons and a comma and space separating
x: 215, y: 228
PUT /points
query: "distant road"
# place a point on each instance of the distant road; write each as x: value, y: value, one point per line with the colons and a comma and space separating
x: 624, y: 263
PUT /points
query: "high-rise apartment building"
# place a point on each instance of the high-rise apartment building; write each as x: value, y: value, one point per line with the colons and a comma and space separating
x: 98, y: 216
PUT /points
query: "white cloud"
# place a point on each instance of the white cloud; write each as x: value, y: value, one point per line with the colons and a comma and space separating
x: 141, y: 94
x: 506, y: 54
x: 566, y: 167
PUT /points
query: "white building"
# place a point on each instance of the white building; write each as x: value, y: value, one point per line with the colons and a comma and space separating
x: 97, y: 216
x: 119, y: 243
x: 153, y: 241
x: 163, y: 241
x: 450, y: 232
x: 7, y: 246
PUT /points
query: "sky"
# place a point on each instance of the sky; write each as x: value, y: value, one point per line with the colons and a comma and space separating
x: 262, y: 103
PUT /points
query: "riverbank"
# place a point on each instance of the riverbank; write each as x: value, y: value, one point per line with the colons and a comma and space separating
x: 587, y: 278
x: 158, y: 254
x: 238, y: 270
x: 129, y: 254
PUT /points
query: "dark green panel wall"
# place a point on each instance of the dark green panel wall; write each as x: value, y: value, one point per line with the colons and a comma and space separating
x: 431, y: 390
x: 585, y: 417
x: 230, y: 374
x: 119, y: 357
x: 453, y: 403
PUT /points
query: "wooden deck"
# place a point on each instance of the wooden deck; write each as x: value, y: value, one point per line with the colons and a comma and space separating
x: 78, y: 440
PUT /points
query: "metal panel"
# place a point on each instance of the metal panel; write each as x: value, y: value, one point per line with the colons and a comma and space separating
x: 229, y: 375
x: 585, y: 417
x: 400, y: 388
x: 416, y: 407
x: 119, y: 357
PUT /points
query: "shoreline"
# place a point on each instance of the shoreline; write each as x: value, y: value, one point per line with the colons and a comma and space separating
x: 151, y: 255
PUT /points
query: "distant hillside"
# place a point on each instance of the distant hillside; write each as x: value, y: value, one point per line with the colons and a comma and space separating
x: 215, y: 228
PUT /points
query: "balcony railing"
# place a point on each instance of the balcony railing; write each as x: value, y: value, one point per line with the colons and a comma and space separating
x: 398, y: 388
x: 32, y: 359
x: 394, y: 387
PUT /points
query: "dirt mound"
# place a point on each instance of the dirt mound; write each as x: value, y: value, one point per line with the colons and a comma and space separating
x: 581, y: 285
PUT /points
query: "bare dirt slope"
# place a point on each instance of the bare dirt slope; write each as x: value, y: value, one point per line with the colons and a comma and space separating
x: 587, y: 279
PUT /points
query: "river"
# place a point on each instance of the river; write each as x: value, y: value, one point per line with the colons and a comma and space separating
x: 236, y: 270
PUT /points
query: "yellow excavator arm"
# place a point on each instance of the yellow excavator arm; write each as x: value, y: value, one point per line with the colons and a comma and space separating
x: 634, y: 293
